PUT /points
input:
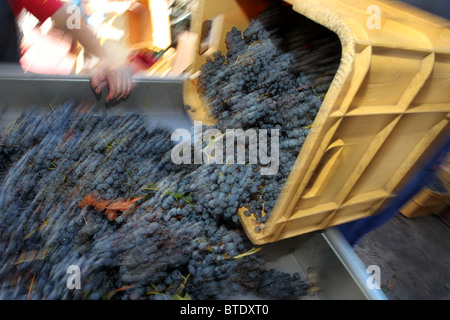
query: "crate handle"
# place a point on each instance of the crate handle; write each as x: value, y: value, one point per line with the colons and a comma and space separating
x: 210, y: 37
x: 336, y: 149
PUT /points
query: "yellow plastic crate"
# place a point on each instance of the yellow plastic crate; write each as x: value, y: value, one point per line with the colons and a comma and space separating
x: 428, y: 201
x: 424, y: 203
x: 384, y: 110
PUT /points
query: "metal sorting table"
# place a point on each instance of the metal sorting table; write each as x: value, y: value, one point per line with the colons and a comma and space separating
x: 323, y: 257
x: 158, y: 100
x: 328, y: 261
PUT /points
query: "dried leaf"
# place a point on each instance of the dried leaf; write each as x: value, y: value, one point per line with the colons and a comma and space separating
x: 124, y: 288
x: 111, y: 294
x: 112, y: 208
x: 390, y: 285
x: 95, y: 201
x: 111, y: 215
x: 31, y: 287
x: 122, y: 204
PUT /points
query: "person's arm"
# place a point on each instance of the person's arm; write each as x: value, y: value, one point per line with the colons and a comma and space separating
x: 83, y: 35
x: 108, y: 72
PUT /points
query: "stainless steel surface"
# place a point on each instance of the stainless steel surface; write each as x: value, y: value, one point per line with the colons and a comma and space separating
x: 328, y: 261
x: 159, y: 100
x: 354, y: 266
x: 325, y: 258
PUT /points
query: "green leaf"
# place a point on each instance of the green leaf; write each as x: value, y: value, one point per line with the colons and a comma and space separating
x: 252, y: 251
x: 178, y: 297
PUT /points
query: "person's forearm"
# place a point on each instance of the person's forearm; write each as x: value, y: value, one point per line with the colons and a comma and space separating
x: 106, y: 73
x: 83, y: 35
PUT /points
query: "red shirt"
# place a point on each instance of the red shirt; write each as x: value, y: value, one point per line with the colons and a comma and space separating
x: 41, y: 9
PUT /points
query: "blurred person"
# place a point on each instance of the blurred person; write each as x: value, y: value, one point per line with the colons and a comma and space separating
x: 106, y: 74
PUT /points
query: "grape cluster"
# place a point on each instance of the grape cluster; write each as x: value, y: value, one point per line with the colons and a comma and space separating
x: 256, y: 86
x: 172, y: 242
x: 178, y: 234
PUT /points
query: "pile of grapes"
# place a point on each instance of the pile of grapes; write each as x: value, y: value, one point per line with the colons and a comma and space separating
x: 102, y: 193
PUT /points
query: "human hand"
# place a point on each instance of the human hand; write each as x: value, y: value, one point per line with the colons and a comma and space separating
x: 118, y: 80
